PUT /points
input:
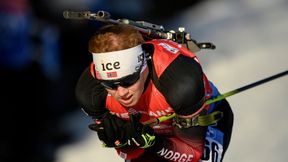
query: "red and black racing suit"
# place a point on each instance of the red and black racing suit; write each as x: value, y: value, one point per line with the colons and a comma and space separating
x: 176, y: 83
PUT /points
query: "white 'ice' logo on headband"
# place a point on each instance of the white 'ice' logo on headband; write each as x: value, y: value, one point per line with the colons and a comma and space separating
x: 117, y: 64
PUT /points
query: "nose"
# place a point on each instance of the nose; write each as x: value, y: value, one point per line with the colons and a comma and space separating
x: 122, y: 91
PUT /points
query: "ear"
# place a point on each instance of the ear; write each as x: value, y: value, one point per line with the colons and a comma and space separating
x: 93, y: 71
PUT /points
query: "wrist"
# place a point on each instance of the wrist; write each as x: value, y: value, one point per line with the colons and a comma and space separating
x: 157, y: 144
x: 149, y: 140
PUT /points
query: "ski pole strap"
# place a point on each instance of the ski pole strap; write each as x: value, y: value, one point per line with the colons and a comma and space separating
x: 198, y: 120
x: 148, y: 139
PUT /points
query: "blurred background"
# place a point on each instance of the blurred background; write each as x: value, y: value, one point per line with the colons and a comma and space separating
x: 42, y: 56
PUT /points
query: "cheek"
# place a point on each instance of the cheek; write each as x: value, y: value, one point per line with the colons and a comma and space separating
x: 138, y: 88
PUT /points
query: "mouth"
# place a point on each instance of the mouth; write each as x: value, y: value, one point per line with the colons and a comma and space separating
x: 127, y: 100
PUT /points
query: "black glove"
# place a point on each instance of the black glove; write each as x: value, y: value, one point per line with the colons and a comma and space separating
x: 139, y: 135
x: 110, y: 130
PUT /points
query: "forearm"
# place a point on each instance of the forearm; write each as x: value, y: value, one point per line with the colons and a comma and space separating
x: 170, y: 149
x: 175, y: 149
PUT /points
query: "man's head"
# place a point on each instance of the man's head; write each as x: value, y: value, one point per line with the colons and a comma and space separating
x: 114, y: 38
x: 120, y: 62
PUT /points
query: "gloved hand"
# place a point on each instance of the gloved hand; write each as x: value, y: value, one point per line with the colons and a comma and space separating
x: 139, y: 135
x: 110, y: 130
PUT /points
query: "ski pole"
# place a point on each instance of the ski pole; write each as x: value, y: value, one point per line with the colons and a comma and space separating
x: 238, y: 90
x: 221, y: 96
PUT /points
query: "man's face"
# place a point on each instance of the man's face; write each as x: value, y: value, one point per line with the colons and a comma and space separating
x: 130, y: 96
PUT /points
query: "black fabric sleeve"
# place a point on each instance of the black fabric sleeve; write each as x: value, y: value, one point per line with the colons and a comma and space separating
x: 91, y: 95
x: 182, y: 85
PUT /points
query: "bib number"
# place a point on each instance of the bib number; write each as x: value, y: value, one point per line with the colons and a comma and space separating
x: 213, y: 148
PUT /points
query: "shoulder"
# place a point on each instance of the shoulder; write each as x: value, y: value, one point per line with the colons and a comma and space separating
x: 177, y: 74
x: 164, y: 52
x: 90, y: 94
x: 182, y: 84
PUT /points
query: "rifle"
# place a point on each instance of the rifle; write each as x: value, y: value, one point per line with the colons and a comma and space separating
x: 151, y: 31
x: 154, y: 31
